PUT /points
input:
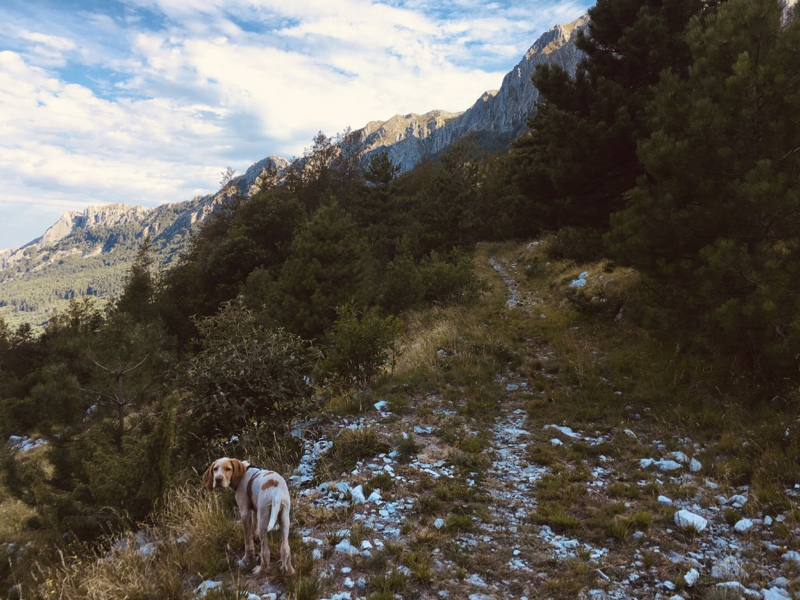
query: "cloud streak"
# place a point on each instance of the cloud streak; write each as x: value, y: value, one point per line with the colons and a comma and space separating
x: 147, y: 101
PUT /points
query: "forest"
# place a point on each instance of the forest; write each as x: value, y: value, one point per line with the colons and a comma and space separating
x: 673, y: 151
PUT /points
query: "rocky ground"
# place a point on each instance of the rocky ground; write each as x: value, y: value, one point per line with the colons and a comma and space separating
x: 536, y: 510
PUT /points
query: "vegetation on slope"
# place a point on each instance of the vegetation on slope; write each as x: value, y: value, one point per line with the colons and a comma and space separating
x: 700, y: 329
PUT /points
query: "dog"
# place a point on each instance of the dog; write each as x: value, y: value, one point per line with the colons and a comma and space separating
x: 263, y: 498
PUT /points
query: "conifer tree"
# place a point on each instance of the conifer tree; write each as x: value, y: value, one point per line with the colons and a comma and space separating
x: 139, y: 291
x: 328, y: 267
x: 579, y: 159
x: 714, y: 224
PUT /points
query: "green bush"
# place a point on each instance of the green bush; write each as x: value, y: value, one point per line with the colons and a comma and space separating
x: 449, y: 279
x: 248, y: 372
x: 359, y: 346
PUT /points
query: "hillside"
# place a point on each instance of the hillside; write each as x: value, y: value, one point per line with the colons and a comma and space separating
x: 522, y: 448
x: 568, y: 371
x: 89, y: 254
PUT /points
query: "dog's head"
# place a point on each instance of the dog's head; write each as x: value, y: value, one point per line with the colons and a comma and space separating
x: 224, y: 472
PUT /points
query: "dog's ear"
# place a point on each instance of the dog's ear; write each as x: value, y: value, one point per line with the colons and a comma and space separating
x: 238, y: 471
x: 208, y: 476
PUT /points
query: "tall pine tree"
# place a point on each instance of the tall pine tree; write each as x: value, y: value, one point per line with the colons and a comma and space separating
x: 714, y: 224
x: 579, y: 159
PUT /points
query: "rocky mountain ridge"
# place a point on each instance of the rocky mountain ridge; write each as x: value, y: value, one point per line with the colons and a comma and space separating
x: 496, y: 117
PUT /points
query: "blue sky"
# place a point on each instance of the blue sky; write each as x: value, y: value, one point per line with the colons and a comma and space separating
x: 148, y: 101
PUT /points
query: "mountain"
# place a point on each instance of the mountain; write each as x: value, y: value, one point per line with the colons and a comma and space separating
x: 498, y: 116
x: 89, y: 253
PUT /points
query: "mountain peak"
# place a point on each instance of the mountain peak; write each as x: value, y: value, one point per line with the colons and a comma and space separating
x: 556, y: 38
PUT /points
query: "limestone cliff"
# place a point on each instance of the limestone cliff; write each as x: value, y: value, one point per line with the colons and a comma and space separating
x: 499, y: 114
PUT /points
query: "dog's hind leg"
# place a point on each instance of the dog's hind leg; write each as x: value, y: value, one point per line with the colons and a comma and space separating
x: 263, y: 531
x: 248, y: 524
x: 286, y: 553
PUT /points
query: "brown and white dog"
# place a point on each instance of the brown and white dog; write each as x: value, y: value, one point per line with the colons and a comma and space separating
x: 263, y: 497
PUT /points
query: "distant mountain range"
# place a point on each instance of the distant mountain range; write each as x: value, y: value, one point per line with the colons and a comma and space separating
x: 89, y: 253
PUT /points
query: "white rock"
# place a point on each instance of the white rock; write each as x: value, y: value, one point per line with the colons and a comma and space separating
x: 691, y: 577
x: 695, y: 465
x: 630, y: 433
x: 664, y: 500
x: 667, y: 465
x: 345, y: 547
x: 381, y: 404
x: 684, y: 519
x: 743, y: 525
x: 792, y: 556
x: 767, y: 520
x: 206, y: 587
x: 565, y: 430
x: 663, y: 465
x: 357, y: 494
x: 738, y: 501
x: 438, y: 523
x: 375, y: 496
x: 149, y: 549
x: 775, y: 593
x: 556, y: 442
x: 727, y: 568
x: 348, y: 583
x: 679, y: 456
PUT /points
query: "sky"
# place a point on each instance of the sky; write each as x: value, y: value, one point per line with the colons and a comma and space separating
x: 150, y: 101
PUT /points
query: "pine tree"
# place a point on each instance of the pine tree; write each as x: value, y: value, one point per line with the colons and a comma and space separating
x: 714, y: 224
x: 328, y: 267
x: 579, y: 159
x: 140, y: 285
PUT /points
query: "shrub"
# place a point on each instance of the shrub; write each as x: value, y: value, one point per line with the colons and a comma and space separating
x: 450, y: 279
x: 359, y: 345
x: 248, y: 371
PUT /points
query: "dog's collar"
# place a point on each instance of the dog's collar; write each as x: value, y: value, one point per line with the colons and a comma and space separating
x: 249, y: 481
x: 250, y: 485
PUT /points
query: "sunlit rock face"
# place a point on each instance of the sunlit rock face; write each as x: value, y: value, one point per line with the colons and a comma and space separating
x: 499, y: 115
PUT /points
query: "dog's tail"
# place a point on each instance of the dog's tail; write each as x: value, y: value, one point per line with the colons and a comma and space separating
x: 273, y: 514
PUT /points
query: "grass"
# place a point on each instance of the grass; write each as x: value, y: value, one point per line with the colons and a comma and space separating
x: 351, y: 446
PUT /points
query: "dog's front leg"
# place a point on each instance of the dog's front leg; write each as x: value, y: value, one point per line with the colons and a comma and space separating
x: 247, y: 524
